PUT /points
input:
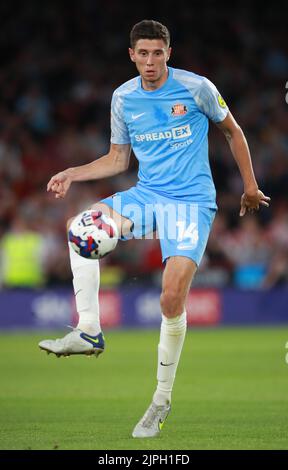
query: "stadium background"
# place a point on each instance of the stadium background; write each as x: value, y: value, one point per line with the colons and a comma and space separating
x: 59, y: 64
x: 59, y: 67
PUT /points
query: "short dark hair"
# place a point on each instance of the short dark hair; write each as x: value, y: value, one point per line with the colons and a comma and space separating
x: 149, y: 29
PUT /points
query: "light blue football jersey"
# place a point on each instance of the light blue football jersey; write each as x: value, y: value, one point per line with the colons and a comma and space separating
x: 167, y: 129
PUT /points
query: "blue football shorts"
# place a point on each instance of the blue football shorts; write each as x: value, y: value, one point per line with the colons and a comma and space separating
x: 182, y: 227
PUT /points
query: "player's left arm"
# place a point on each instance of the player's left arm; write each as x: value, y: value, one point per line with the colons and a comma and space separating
x: 252, y: 197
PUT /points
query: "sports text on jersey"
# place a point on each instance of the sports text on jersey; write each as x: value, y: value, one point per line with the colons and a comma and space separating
x: 175, y: 133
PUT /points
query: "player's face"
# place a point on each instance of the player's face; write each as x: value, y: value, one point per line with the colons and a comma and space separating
x: 150, y: 57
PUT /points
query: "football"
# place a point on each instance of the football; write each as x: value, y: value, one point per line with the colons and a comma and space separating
x: 93, y: 234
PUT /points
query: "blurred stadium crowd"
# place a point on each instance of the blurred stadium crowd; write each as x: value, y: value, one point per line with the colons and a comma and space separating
x: 60, y: 63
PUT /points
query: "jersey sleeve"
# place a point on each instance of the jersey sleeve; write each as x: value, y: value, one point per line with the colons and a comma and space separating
x: 119, y: 131
x: 211, y: 102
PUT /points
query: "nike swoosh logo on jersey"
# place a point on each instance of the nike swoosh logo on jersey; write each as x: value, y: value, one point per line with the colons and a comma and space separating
x: 137, y: 116
x: 171, y: 364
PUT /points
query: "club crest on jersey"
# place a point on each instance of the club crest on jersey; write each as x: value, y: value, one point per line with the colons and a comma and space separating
x: 178, y: 109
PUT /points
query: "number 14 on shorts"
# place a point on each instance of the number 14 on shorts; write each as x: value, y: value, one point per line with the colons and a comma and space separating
x: 187, y: 237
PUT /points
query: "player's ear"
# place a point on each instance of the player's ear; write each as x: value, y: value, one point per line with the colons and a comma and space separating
x: 131, y: 53
x: 169, y: 50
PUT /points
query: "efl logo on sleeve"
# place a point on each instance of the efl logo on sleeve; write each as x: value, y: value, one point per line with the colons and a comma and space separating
x: 221, y: 101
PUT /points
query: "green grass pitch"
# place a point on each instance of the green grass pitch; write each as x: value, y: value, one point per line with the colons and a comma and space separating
x: 231, y: 392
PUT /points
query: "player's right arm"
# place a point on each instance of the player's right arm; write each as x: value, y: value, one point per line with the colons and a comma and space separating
x: 115, y: 162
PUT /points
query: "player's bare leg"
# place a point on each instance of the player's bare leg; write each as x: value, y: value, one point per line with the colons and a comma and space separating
x: 87, y: 337
x: 177, y: 277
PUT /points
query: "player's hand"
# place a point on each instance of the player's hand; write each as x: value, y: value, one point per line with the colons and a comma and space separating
x: 59, y: 184
x: 251, y: 202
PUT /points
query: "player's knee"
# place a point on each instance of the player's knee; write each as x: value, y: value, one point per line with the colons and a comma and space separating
x: 100, y: 207
x: 172, y: 302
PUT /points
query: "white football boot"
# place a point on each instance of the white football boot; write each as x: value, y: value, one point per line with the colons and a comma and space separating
x: 153, y: 420
x: 76, y: 342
